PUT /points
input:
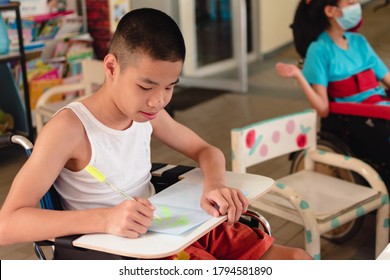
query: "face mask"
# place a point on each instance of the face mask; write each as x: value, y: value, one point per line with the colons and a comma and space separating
x: 351, y: 16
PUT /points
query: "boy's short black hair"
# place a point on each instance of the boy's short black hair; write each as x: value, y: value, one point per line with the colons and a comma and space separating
x: 147, y: 31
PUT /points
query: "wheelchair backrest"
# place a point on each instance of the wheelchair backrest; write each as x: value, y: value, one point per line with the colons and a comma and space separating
x: 51, y: 200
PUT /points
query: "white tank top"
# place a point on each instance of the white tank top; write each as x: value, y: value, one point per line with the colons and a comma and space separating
x: 123, y: 157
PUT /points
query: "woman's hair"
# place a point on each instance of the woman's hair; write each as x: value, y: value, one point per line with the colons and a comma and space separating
x: 149, y: 32
x: 309, y: 22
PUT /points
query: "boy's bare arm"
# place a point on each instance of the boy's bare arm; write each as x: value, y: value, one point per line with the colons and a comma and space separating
x: 21, y: 221
x: 217, y: 198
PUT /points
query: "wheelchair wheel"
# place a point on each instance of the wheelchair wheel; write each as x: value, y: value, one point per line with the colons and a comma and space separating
x: 328, y: 142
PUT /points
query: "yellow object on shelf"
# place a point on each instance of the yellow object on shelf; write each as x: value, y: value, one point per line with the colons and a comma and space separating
x: 37, y: 87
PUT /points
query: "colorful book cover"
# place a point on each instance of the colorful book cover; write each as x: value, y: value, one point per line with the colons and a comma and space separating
x: 37, y: 87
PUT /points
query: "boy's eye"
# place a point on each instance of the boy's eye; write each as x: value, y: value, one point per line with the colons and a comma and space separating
x: 144, y: 88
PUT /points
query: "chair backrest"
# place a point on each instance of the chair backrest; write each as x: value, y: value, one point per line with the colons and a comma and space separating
x: 92, y: 77
x: 264, y: 140
x: 93, y: 74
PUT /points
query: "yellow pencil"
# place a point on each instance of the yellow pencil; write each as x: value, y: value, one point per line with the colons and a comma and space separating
x: 101, y: 178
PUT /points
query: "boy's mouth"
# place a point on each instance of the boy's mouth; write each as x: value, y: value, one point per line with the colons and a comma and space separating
x: 149, y: 116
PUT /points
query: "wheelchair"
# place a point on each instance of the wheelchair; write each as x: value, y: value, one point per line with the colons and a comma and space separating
x: 163, y: 176
x: 357, y: 130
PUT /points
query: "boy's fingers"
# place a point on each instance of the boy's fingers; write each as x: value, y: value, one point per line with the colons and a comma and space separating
x: 244, y: 202
x: 212, y: 210
x: 235, y: 216
x: 215, y: 206
x: 144, y: 202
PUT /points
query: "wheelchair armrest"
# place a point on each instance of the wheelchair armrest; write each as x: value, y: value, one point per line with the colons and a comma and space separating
x: 167, y: 177
x: 257, y: 218
x: 9, y: 139
x: 38, y: 248
x: 350, y: 163
x: 63, y: 249
x: 360, y: 110
x: 5, y: 140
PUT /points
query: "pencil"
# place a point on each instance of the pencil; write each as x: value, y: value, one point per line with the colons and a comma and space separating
x: 101, y: 178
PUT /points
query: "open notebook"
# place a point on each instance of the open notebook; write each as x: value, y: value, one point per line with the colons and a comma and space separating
x: 185, y: 194
x: 179, y: 209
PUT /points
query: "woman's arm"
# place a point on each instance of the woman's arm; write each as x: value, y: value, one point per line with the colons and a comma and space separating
x: 386, y: 82
x: 316, y: 95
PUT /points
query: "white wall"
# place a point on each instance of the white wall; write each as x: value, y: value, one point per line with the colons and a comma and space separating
x: 275, y: 18
x: 162, y: 5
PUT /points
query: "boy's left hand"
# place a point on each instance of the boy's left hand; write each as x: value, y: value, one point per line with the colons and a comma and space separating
x: 225, y: 201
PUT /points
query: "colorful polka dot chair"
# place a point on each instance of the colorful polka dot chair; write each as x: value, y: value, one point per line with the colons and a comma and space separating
x: 317, y: 201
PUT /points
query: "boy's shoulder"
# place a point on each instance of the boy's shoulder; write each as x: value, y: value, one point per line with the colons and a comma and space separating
x: 65, y: 120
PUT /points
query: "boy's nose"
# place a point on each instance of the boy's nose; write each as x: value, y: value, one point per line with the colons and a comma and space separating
x: 157, y: 100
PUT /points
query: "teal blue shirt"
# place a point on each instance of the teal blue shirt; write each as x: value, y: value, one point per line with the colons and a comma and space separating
x: 326, y: 62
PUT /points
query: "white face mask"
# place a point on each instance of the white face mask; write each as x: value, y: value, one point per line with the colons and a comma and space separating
x: 351, y: 16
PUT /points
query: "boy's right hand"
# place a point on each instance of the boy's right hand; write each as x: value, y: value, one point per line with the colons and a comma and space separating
x: 287, y: 70
x: 131, y: 218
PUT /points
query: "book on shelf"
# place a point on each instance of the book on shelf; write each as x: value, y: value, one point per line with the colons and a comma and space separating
x: 42, y: 7
x: 43, y: 27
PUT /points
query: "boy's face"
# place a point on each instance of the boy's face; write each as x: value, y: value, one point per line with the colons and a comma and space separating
x: 145, y: 87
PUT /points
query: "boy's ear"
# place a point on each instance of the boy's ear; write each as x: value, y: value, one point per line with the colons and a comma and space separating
x: 111, y: 65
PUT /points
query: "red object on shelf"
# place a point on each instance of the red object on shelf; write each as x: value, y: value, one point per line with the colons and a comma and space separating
x: 44, y: 17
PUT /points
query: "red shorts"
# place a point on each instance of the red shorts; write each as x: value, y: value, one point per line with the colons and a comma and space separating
x: 236, y: 242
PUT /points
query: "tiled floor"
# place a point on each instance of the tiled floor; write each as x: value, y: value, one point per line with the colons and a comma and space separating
x: 268, y: 96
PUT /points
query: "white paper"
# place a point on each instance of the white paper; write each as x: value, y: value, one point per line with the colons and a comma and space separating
x: 179, y: 209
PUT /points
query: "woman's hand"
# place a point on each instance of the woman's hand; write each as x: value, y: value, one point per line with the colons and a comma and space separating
x: 287, y: 70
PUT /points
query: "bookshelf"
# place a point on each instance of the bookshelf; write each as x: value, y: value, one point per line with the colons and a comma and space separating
x: 10, y: 97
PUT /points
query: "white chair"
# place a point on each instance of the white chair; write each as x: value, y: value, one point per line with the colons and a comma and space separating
x: 92, y: 76
x: 317, y: 201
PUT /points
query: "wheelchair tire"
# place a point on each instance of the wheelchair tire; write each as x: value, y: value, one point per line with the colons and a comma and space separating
x: 331, y: 143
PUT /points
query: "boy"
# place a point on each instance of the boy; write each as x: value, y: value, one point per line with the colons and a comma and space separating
x: 111, y: 131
